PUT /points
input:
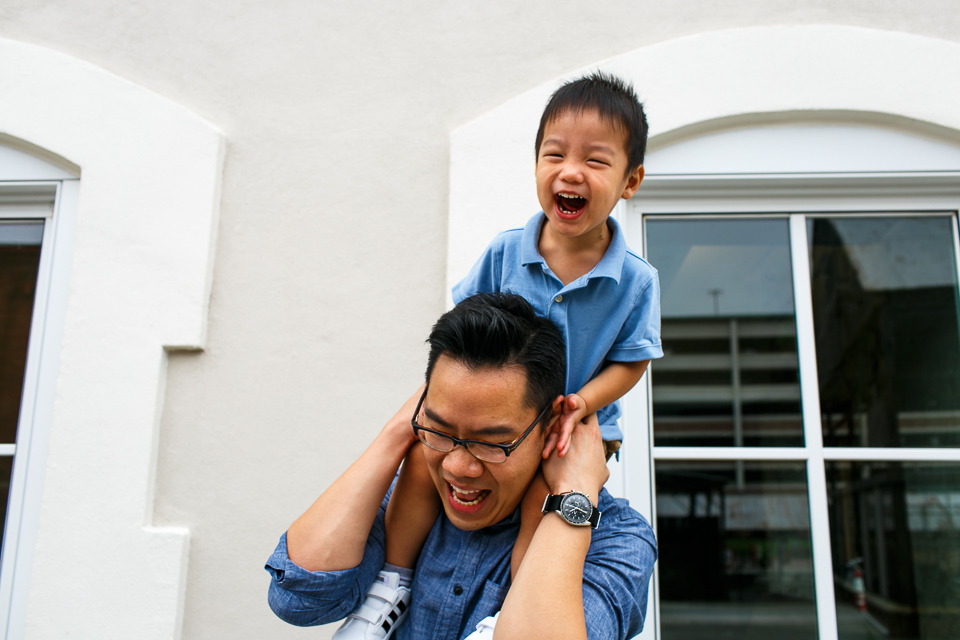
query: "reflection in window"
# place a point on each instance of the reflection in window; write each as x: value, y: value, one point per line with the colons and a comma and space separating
x: 895, y: 533
x: 885, y: 307
x: 735, y: 552
x: 730, y: 373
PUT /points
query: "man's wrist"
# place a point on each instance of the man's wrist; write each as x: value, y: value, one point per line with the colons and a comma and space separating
x: 574, y: 507
x: 592, y: 491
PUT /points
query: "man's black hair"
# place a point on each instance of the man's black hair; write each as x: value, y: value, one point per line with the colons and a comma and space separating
x: 613, y: 98
x: 503, y: 330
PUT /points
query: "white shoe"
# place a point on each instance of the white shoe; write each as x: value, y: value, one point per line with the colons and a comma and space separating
x: 384, y: 608
x: 484, y: 628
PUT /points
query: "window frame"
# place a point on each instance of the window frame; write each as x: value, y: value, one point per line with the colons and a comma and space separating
x: 55, y: 202
x: 794, y: 196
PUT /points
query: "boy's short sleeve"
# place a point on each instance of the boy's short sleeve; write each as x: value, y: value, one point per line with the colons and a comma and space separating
x: 639, y: 338
x: 485, y: 276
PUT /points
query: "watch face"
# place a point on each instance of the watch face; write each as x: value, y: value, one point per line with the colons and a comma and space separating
x: 576, y: 508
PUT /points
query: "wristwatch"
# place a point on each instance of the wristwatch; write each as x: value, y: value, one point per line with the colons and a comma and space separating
x: 574, y: 507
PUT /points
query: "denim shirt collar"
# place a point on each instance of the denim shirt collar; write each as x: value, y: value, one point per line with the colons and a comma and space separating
x: 610, y: 265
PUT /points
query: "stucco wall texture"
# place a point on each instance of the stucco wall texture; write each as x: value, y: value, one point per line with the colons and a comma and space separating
x: 331, y: 249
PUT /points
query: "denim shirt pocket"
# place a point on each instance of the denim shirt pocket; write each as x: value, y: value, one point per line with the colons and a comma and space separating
x: 491, y: 600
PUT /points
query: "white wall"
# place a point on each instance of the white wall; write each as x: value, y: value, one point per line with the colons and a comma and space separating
x: 332, y: 240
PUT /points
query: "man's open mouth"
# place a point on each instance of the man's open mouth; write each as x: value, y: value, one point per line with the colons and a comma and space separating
x: 569, y: 203
x: 467, y: 498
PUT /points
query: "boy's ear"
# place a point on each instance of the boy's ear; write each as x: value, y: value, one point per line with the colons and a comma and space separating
x: 633, y: 183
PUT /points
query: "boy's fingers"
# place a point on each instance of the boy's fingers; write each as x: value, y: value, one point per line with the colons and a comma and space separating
x: 563, y: 442
x: 549, y: 444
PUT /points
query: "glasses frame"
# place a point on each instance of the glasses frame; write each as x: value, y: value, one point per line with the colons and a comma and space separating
x: 507, y: 448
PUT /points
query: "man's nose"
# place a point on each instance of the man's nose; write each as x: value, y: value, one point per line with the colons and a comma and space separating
x: 461, y: 463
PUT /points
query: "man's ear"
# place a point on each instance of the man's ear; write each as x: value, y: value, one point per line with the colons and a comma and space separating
x: 556, y: 410
x: 633, y: 183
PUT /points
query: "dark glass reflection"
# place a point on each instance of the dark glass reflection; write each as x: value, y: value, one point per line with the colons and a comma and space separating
x: 735, y: 553
x: 885, y: 307
x: 730, y: 373
x: 19, y: 261
x: 895, y: 533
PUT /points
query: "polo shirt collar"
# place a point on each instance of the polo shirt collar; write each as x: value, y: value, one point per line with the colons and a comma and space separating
x: 529, y: 254
x: 610, y: 265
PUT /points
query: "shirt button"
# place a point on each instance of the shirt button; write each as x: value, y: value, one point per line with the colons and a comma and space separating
x: 558, y: 299
x: 457, y: 590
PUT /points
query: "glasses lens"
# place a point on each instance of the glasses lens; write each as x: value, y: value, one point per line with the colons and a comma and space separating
x: 487, y: 453
x: 435, y: 440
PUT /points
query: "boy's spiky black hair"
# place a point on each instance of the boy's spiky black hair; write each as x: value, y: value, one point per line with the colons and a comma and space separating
x: 610, y: 96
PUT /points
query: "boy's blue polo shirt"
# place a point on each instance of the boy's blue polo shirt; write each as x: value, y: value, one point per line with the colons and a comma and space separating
x: 611, y: 313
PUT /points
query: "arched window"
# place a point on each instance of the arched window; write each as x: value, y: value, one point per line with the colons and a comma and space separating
x: 785, y: 146
x: 135, y: 287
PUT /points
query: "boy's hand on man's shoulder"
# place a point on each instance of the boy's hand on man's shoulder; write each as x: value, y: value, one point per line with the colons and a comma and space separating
x: 573, y: 411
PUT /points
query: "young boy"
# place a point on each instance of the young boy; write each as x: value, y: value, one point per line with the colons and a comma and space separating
x: 572, y: 264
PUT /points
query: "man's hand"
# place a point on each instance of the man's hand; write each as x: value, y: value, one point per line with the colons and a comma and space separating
x: 573, y: 411
x: 398, y: 427
x: 583, y: 468
x: 332, y: 534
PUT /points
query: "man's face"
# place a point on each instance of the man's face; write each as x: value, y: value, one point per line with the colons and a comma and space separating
x: 486, y: 404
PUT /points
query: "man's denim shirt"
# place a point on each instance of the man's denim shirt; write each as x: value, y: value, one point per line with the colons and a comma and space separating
x: 463, y: 577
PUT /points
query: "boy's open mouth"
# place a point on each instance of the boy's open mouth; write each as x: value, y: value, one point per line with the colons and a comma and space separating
x: 569, y: 203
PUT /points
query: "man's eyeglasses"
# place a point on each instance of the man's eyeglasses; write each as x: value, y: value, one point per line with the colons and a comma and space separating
x: 485, y: 451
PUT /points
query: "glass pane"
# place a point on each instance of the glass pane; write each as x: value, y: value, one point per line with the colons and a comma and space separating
x: 19, y: 261
x: 895, y: 533
x: 735, y: 552
x: 730, y: 373
x: 885, y: 309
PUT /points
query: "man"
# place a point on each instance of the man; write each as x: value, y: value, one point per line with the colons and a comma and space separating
x: 495, y: 375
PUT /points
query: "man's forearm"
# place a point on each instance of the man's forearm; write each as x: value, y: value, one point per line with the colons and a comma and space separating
x: 332, y: 533
x: 546, y: 600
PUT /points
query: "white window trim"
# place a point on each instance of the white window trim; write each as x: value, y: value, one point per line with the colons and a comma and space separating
x: 56, y: 204
x: 151, y: 174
